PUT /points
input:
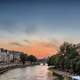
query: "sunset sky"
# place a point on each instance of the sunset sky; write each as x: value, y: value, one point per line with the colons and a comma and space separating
x: 39, y: 27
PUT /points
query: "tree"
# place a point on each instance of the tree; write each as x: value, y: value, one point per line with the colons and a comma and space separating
x: 2, y: 49
x: 31, y: 58
x: 23, y: 57
x: 67, y: 58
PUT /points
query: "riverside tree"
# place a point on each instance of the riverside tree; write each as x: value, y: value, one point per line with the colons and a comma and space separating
x: 23, y: 57
x: 67, y: 59
x: 31, y: 58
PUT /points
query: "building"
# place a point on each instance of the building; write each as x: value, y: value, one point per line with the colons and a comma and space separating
x: 17, y: 56
x: 8, y: 56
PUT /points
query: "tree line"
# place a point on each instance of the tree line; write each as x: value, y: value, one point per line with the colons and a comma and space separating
x: 25, y: 57
x: 67, y: 59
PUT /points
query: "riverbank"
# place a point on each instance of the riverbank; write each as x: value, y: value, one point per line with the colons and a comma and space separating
x: 5, y: 68
x: 66, y: 75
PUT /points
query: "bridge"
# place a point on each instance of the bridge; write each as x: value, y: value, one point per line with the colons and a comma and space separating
x: 43, y: 61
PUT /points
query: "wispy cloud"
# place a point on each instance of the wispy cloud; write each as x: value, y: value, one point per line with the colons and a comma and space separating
x: 16, y: 44
x: 27, y: 41
x: 52, y: 43
x: 7, y: 25
x: 48, y: 44
x: 30, y: 29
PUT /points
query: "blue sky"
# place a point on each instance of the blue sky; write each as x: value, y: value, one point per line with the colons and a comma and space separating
x: 40, y: 19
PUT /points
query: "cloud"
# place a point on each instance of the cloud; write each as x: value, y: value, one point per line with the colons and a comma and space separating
x: 27, y: 41
x: 30, y: 29
x: 7, y: 25
x: 15, y: 44
x: 48, y: 44
x: 52, y: 43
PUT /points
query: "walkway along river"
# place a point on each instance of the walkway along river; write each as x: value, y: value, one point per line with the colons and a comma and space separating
x: 38, y: 72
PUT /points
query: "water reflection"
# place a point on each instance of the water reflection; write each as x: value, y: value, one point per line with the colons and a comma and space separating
x: 28, y: 73
x: 31, y: 73
x: 62, y: 78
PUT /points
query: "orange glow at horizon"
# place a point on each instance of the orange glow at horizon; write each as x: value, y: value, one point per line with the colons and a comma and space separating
x: 38, y: 49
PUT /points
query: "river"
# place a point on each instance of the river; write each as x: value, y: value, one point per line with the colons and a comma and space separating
x: 39, y: 72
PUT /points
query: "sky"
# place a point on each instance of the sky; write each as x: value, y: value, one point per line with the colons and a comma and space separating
x: 39, y: 27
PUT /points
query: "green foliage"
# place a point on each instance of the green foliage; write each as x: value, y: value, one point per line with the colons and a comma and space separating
x: 25, y: 57
x: 31, y: 58
x: 68, y: 58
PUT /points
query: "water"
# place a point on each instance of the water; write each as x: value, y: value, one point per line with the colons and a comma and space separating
x: 28, y: 73
x: 31, y: 73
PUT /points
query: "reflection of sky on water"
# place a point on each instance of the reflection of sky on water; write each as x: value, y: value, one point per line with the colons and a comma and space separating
x: 28, y: 73
x: 31, y: 73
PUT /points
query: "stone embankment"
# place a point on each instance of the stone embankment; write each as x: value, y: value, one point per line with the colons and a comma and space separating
x: 60, y: 73
x: 4, y: 68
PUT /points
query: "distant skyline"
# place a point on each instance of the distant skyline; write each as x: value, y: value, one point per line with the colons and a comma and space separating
x: 39, y: 26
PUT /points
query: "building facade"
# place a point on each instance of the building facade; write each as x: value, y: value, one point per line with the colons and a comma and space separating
x: 7, y: 56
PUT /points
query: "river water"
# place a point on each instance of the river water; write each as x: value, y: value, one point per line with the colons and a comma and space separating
x: 29, y: 73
